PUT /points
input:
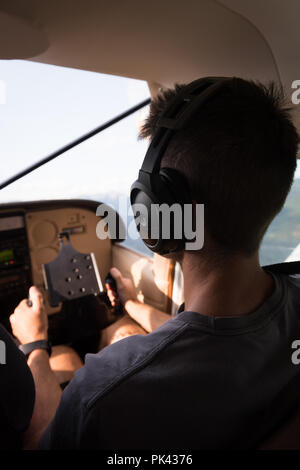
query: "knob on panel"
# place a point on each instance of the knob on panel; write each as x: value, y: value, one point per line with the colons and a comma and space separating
x: 44, y: 233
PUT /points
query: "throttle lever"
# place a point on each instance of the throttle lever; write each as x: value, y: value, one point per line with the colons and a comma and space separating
x: 110, y: 280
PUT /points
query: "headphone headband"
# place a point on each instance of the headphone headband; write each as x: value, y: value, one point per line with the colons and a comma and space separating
x: 177, y: 115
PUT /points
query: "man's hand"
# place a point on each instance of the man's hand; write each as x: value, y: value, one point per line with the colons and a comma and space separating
x: 148, y: 317
x: 125, y: 288
x: 30, y: 323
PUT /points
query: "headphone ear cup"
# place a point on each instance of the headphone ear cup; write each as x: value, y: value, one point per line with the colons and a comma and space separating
x: 172, y: 188
x: 176, y: 186
x: 167, y: 187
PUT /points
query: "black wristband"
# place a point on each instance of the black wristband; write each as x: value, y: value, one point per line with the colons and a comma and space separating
x: 41, y: 344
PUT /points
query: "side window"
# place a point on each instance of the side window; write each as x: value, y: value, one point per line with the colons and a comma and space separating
x: 282, y: 239
x: 47, y: 107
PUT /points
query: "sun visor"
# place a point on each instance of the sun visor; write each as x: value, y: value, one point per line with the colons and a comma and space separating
x: 19, y: 38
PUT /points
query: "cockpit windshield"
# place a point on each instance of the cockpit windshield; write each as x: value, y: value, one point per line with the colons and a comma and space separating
x: 43, y: 107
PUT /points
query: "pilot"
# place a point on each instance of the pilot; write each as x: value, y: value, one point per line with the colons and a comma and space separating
x: 18, y: 403
x: 26, y: 392
x: 30, y: 392
x: 220, y: 373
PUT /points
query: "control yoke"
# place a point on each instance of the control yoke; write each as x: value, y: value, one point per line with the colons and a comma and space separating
x: 71, y: 275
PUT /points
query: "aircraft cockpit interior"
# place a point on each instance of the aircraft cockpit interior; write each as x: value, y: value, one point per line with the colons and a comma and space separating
x: 81, y: 141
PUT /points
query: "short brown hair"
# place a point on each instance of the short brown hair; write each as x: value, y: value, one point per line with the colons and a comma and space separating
x: 238, y: 155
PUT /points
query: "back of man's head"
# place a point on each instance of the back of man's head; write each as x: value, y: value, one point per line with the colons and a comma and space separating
x: 238, y: 155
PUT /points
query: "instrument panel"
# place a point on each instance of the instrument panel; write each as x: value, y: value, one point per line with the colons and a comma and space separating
x: 15, y: 265
x: 29, y: 238
x: 14, y: 253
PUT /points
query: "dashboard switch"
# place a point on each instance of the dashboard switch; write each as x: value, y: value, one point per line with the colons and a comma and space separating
x: 73, y: 219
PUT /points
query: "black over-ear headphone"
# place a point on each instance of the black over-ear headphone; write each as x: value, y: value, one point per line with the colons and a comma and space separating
x: 157, y: 185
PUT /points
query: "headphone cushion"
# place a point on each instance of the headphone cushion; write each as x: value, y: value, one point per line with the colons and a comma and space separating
x: 176, y: 186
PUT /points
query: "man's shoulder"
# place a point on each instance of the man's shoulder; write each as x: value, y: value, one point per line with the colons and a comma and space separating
x: 291, y: 284
x: 294, y: 279
x: 114, y: 364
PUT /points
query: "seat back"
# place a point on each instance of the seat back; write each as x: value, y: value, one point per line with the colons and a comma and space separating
x: 287, y: 437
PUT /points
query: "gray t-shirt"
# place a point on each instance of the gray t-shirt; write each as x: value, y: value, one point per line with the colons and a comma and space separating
x: 198, y: 382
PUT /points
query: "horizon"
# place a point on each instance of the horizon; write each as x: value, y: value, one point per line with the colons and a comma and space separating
x: 46, y: 107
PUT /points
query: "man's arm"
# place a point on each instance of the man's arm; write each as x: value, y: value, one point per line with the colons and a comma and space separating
x: 31, y: 324
x: 48, y: 393
x: 149, y: 318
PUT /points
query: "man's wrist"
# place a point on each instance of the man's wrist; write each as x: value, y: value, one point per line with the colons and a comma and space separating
x: 28, y: 348
x: 37, y: 337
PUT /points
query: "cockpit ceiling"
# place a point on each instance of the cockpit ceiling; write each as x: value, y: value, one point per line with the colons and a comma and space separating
x: 161, y: 41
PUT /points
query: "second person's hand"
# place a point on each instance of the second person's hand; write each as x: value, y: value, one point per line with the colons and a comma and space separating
x: 125, y: 288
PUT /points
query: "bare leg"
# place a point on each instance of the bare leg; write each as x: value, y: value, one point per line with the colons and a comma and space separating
x: 64, y: 362
x: 119, y: 330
